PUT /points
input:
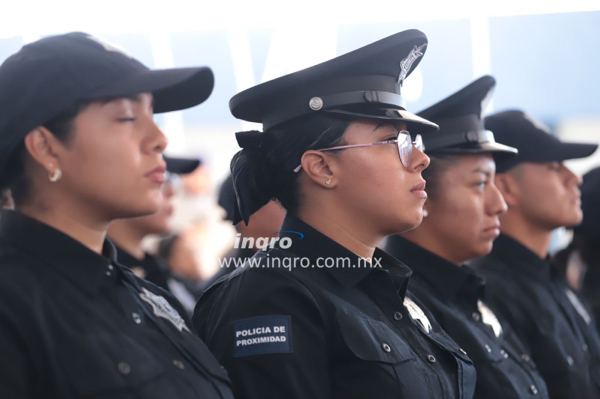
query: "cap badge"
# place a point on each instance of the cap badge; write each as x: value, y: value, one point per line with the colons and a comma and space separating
x: 109, y: 46
x: 315, y: 103
x: 407, y: 62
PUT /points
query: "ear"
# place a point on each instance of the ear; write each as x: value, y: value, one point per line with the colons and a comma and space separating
x: 508, y: 187
x: 317, y: 165
x: 43, y: 147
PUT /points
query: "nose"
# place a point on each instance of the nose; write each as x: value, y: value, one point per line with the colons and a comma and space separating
x: 495, y: 204
x: 156, y: 139
x: 420, y: 160
x: 570, y: 177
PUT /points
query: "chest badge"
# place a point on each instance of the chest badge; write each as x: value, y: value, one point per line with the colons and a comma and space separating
x: 489, y: 318
x: 417, y: 314
x: 162, y: 308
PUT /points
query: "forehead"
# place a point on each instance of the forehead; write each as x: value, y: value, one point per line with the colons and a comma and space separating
x: 462, y: 166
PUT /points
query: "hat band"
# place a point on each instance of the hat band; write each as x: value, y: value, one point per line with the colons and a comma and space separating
x: 444, y: 140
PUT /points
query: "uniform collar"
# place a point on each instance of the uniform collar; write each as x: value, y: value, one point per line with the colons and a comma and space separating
x: 521, y: 259
x: 313, y: 244
x: 448, y: 279
x: 82, y: 266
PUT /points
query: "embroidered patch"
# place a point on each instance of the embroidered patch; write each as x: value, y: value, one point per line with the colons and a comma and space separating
x: 262, y: 334
x: 407, y: 62
x: 417, y: 314
x: 162, y: 308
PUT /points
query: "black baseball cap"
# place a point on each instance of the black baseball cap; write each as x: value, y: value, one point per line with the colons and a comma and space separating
x: 459, y: 117
x: 363, y: 83
x: 533, y: 140
x: 49, y: 76
x: 590, y: 202
x: 181, y: 166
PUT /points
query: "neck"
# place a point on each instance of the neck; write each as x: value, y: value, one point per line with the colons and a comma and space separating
x: 127, y: 237
x: 535, y: 238
x: 77, y: 223
x: 341, y: 229
x: 428, y: 240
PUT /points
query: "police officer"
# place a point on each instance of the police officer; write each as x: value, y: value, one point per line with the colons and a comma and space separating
x: 523, y: 284
x: 127, y: 235
x: 583, y: 253
x: 79, y: 148
x: 462, y: 221
x: 322, y: 313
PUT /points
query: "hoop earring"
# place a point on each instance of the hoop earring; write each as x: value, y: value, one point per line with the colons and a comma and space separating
x: 54, y: 177
x: 328, y: 181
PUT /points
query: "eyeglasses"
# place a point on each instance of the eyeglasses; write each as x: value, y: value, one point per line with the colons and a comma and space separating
x: 403, y: 142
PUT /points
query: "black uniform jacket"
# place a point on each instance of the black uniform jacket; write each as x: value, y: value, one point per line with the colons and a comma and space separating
x: 453, y: 294
x: 312, y: 331
x: 550, y: 319
x: 155, y: 269
x: 76, y: 324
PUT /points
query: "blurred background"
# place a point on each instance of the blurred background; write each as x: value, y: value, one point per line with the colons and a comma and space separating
x: 545, y: 57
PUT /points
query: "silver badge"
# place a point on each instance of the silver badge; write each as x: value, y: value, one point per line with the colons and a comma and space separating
x: 162, y: 308
x: 417, y: 314
x: 315, y: 103
x: 488, y: 317
x: 407, y: 62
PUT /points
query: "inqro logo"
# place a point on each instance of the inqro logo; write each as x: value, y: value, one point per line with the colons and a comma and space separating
x: 265, y: 242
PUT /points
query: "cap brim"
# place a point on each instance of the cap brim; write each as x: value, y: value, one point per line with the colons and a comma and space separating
x: 414, y: 123
x: 500, y: 152
x: 181, y: 165
x: 173, y: 89
x: 564, y: 151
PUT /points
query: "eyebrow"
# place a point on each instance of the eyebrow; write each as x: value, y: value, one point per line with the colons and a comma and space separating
x: 479, y: 170
x: 382, y: 123
x: 135, y: 98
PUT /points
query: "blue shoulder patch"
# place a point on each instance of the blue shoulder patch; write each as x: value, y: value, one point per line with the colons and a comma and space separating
x: 263, y: 334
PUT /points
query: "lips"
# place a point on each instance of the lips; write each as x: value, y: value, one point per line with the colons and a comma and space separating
x: 419, y: 190
x: 157, y: 175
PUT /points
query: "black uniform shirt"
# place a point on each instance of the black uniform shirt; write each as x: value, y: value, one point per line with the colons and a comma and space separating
x: 155, y: 270
x: 316, y: 332
x: 76, y: 324
x: 548, y: 317
x: 452, y: 294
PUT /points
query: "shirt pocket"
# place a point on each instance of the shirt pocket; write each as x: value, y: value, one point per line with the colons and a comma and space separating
x: 108, y: 364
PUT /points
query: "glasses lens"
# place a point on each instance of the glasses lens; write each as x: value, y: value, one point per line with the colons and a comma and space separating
x: 405, y: 148
x: 419, y: 143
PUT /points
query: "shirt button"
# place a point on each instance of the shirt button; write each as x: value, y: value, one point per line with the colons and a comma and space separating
x: 397, y: 316
x: 533, y: 389
x: 137, y: 319
x: 476, y: 316
x: 488, y: 349
x: 124, y: 368
x: 503, y: 353
x: 110, y: 267
x: 431, y: 358
x: 570, y: 360
x: 179, y: 364
x: 386, y: 347
x: 585, y: 347
x: 525, y: 357
x: 108, y: 274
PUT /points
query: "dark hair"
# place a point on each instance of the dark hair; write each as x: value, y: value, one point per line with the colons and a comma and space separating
x: 15, y: 178
x: 438, y: 165
x: 586, y: 243
x: 271, y: 168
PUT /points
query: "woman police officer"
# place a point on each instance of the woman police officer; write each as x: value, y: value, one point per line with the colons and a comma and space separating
x: 461, y: 223
x: 79, y: 148
x: 336, y: 152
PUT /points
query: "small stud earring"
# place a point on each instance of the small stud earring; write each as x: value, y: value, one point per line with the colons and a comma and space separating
x: 425, y: 213
x: 54, y: 177
x: 328, y: 181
